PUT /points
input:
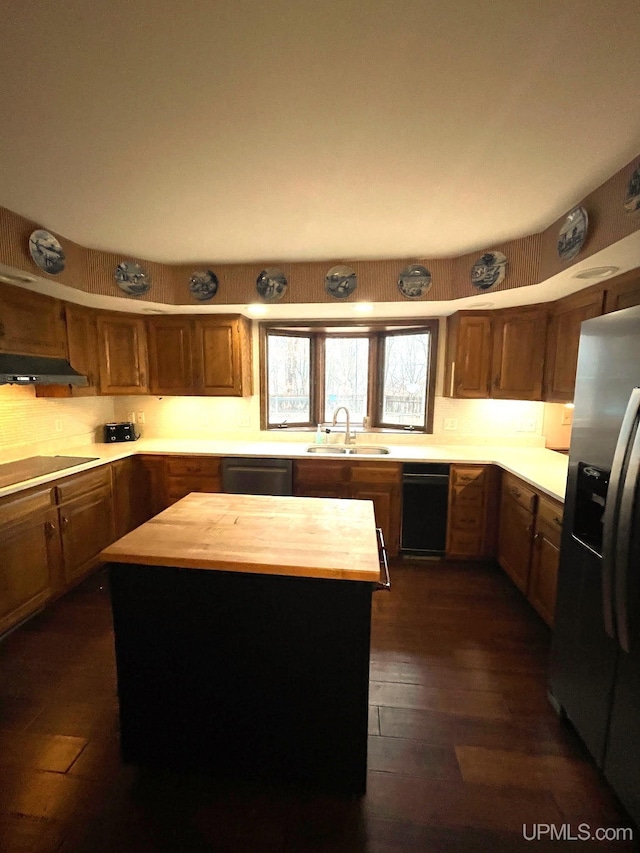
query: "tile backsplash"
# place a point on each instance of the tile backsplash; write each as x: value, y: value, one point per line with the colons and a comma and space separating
x: 31, y: 425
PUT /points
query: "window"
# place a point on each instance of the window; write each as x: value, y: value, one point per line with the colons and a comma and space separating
x: 384, y: 373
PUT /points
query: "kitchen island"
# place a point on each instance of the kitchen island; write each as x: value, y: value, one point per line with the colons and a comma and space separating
x: 242, y: 630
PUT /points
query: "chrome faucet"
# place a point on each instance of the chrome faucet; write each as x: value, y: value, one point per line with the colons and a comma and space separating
x: 347, y: 435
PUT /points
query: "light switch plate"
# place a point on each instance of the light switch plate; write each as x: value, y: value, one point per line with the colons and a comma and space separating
x: 450, y: 423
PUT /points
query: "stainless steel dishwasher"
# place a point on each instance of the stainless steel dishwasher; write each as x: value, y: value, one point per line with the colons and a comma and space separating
x: 250, y: 476
x: 425, y: 499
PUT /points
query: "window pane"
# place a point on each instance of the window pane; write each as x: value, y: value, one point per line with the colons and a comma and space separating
x: 288, y: 361
x: 346, y: 376
x: 406, y: 362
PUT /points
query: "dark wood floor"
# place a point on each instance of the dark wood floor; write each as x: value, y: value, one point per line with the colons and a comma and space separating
x: 464, y: 747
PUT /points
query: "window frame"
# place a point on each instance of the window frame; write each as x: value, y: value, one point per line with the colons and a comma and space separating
x: 317, y: 332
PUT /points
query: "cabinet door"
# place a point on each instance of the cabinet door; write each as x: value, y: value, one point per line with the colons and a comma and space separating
x: 86, y: 525
x: 171, y: 355
x: 623, y: 291
x: 562, y: 343
x: 545, y: 558
x: 519, y: 341
x: 469, y: 356
x: 223, y: 356
x: 320, y: 478
x: 516, y: 532
x: 82, y: 338
x: 31, y: 324
x: 30, y: 556
x: 386, y: 504
x: 122, y: 347
x: 472, y: 503
x: 131, y: 494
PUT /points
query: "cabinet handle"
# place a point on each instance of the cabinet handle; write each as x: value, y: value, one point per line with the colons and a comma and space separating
x: 64, y: 521
x: 453, y: 378
x: 496, y: 381
x: 538, y: 538
x: 557, y: 520
x: 49, y: 528
x: 516, y: 492
x: 384, y: 562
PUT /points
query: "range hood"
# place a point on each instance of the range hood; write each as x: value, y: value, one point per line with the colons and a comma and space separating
x: 37, y: 370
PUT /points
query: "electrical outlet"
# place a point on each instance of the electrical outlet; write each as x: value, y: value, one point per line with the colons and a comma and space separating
x: 450, y: 423
x: 567, y: 417
x: 141, y: 418
x: 527, y: 425
x: 58, y: 424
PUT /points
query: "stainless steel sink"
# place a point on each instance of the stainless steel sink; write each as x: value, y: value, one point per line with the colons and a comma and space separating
x: 368, y: 449
x: 356, y: 449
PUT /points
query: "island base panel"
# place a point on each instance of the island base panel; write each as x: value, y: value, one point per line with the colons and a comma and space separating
x: 250, y: 676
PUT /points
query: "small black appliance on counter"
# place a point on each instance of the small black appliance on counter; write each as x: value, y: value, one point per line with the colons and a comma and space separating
x: 120, y: 432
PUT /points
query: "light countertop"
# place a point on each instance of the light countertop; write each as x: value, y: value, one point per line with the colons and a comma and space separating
x: 258, y: 534
x: 544, y: 469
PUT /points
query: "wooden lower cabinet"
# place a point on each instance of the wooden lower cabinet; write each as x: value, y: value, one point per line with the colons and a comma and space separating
x: 378, y: 482
x: 545, y: 558
x: 85, y: 508
x: 471, y: 528
x: 529, y: 543
x: 133, y: 503
x: 517, y: 508
x: 31, y: 557
x: 185, y: 474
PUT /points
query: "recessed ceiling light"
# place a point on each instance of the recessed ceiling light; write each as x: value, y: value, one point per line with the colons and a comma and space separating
x: 256, y: 309
x: 364, y: 307
x: 597, y: 272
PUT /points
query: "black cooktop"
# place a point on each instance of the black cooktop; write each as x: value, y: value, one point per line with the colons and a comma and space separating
x: 37, y: 466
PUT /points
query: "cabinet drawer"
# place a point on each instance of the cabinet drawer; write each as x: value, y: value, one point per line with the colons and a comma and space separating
x: 521, y: 494
x: 16, y: 508
x: 372, y: 472
x: 205, y: 466
x: 82, y: 484
x: 320, y: 472
x: 467, y: 518
x: 178, y: 487
x: 549, y: 519
x: 465, y: 497
x: 465, y: 543
x: 468, y: 475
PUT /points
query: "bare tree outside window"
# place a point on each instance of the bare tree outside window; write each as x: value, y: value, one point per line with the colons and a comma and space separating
x: 405, y: 371
x: 288, y: 375
x: 346, y: 376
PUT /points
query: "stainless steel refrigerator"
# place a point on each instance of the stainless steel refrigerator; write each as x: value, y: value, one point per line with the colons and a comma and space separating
x: 595, y: 659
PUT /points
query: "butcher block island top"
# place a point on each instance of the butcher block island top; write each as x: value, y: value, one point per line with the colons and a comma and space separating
x: 301, y: 537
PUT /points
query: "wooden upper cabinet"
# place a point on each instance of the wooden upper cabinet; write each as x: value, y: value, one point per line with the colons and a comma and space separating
x: 31, y: 324
x: 519, y: 342
x: 122, y: 346
x: 468, y: 355
x: 622, y: 291
x: 171, y: 350
x: 223, y: 356
x: 562, y: 342
x: 82, y: 338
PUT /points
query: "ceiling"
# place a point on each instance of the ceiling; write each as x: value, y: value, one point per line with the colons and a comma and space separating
x: 244, y: 130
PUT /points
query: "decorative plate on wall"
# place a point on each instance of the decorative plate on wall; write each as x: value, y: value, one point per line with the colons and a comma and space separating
x: 573, y: 233
x: 632, y: 199
x: 271, y: 284
x: 414, y: 281
x: 340, y: 282
x: 203, y: 285
x: 46, y: 252
x: 132, y: 279
x: 488, y: 270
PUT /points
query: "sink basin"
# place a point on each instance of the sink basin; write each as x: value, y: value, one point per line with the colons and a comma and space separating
x: 357, y: 449
x: 369, y: 450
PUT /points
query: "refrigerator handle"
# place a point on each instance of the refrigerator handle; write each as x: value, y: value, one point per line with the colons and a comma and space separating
x: 610, y: 519
x: 622, y: 579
